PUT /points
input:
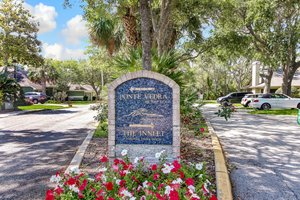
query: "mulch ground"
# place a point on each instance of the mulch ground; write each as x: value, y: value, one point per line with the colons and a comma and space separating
x: 194, y: 149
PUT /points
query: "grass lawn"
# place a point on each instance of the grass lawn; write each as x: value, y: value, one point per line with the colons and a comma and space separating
x: 41, y: 107
x: 275, y: 112
x: 210, y: 101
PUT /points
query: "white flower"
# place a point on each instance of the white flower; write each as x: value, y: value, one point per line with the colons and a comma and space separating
x: 205, y: 187
x: 124, y: 152
x: 126, y: 193
x: 55, y: 179
x: 136, y: 160
x: 191, y: 189
x: 201, y: 175
x: 132, y: 198
x: 158, y: 155
x: 208, y: 182
x: 103, y: 178
x: 177, y: 181
x: 104, y: 169
x: 74, y: 188
x: 118, y: 181
x: 195, y: 196
x: 126, y: 171
x: 74, y: 170
x: 167, y: 169
x: 145, y: 184
x: 199, y: 166
x: 168, y: 190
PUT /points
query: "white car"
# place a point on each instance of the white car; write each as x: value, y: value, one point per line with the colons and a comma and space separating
x: 269, y: 101
x: 246, y: 100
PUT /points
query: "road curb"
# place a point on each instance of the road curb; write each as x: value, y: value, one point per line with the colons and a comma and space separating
x: 224, y: 190
x: 77, y: 159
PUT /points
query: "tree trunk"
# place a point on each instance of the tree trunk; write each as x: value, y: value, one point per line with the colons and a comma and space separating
x: 165, y: 32
x: 288, y: 74
x: 267, y: 77
x: 43, y: 83
x: 146, y: 33
x: 129, y: 22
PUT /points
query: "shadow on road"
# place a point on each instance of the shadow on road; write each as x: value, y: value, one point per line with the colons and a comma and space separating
x: 50, y: 112
x: 29, y: 157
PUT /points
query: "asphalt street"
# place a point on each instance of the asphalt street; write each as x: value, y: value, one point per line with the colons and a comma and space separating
x: 34, y: 146
x: 263, y: 152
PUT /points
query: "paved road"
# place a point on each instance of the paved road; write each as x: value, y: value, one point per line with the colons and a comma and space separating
x: 265, y: 154
x: 34, y: 146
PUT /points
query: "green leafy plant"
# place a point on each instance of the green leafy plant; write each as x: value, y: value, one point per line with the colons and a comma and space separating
x: 102, y: 109
x: 123, y: 179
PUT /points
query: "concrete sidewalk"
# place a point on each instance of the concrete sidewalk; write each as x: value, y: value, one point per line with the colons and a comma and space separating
x: 263, y: 154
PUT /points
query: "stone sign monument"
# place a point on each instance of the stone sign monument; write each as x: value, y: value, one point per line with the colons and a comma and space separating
x: 144, y: 116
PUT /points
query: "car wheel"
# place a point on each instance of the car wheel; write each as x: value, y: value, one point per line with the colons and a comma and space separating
x: 298, y: 106
x: 266, y: 106
x: 35, y: 101
x: 247, y: 104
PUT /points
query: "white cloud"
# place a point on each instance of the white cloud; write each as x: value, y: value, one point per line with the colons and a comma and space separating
x: 43, y: 14
x: 76, y: 30
x: 59, y: 52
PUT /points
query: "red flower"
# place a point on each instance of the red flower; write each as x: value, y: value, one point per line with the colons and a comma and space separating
x: 58, y: 191
x: 109, y: 186
x: 176, y: 165
x: 116, y: 161
x: 100, y: 198
x: 110, y: 198
x: 122, y: 183
x: 104, y: 159
x: 83, y: 185
x: 189, y: 181
x: 80, y: 195
x: 205, y: 190
x: 159, y: 197
x: 213, y: 197
x: 202, y: 130
x: 71, y: 181
x: 154, y: 167
x: 99, y: 193
x: 156, y: 176
x: 49, y: 195
x: 181, y: 175
x: 98, y: 176
x: 174, y: 195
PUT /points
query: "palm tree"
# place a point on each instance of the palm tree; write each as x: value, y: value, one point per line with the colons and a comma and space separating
x: 106, y: 32
x: 44, y: 74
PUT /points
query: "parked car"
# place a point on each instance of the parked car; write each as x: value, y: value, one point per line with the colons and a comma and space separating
x: 234, y: 97
x: 36, y: 97
x: 268, y: 101
x: 246, y: 100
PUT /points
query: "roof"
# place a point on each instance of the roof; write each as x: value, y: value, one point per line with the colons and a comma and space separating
x: 276, y: 80
x: 79, y: 87
x: 23, y: 79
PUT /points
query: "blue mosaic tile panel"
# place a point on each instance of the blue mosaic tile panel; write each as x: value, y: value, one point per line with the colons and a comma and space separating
x: 144, y: 112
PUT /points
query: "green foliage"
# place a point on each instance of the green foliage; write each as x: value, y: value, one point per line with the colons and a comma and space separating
x: 60, y: 96
x: 18, y: 35
x: 102, y: 130
x: 9, y: 87
x: 225, y: 112
x: 102, y: 109
x: 295, y: 92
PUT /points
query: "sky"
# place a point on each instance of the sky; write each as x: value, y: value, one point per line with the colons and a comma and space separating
x: 62, y: 31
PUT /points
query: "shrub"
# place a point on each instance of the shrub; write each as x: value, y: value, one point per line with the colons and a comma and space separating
x: 60, y: 96
x: 102, y: 109
x: 85, y: 98
x: 125, y: 180
x: 294, y: 93
x: 102, y: 130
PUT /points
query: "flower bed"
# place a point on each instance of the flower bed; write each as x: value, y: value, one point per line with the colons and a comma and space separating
x: 122, y: 179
